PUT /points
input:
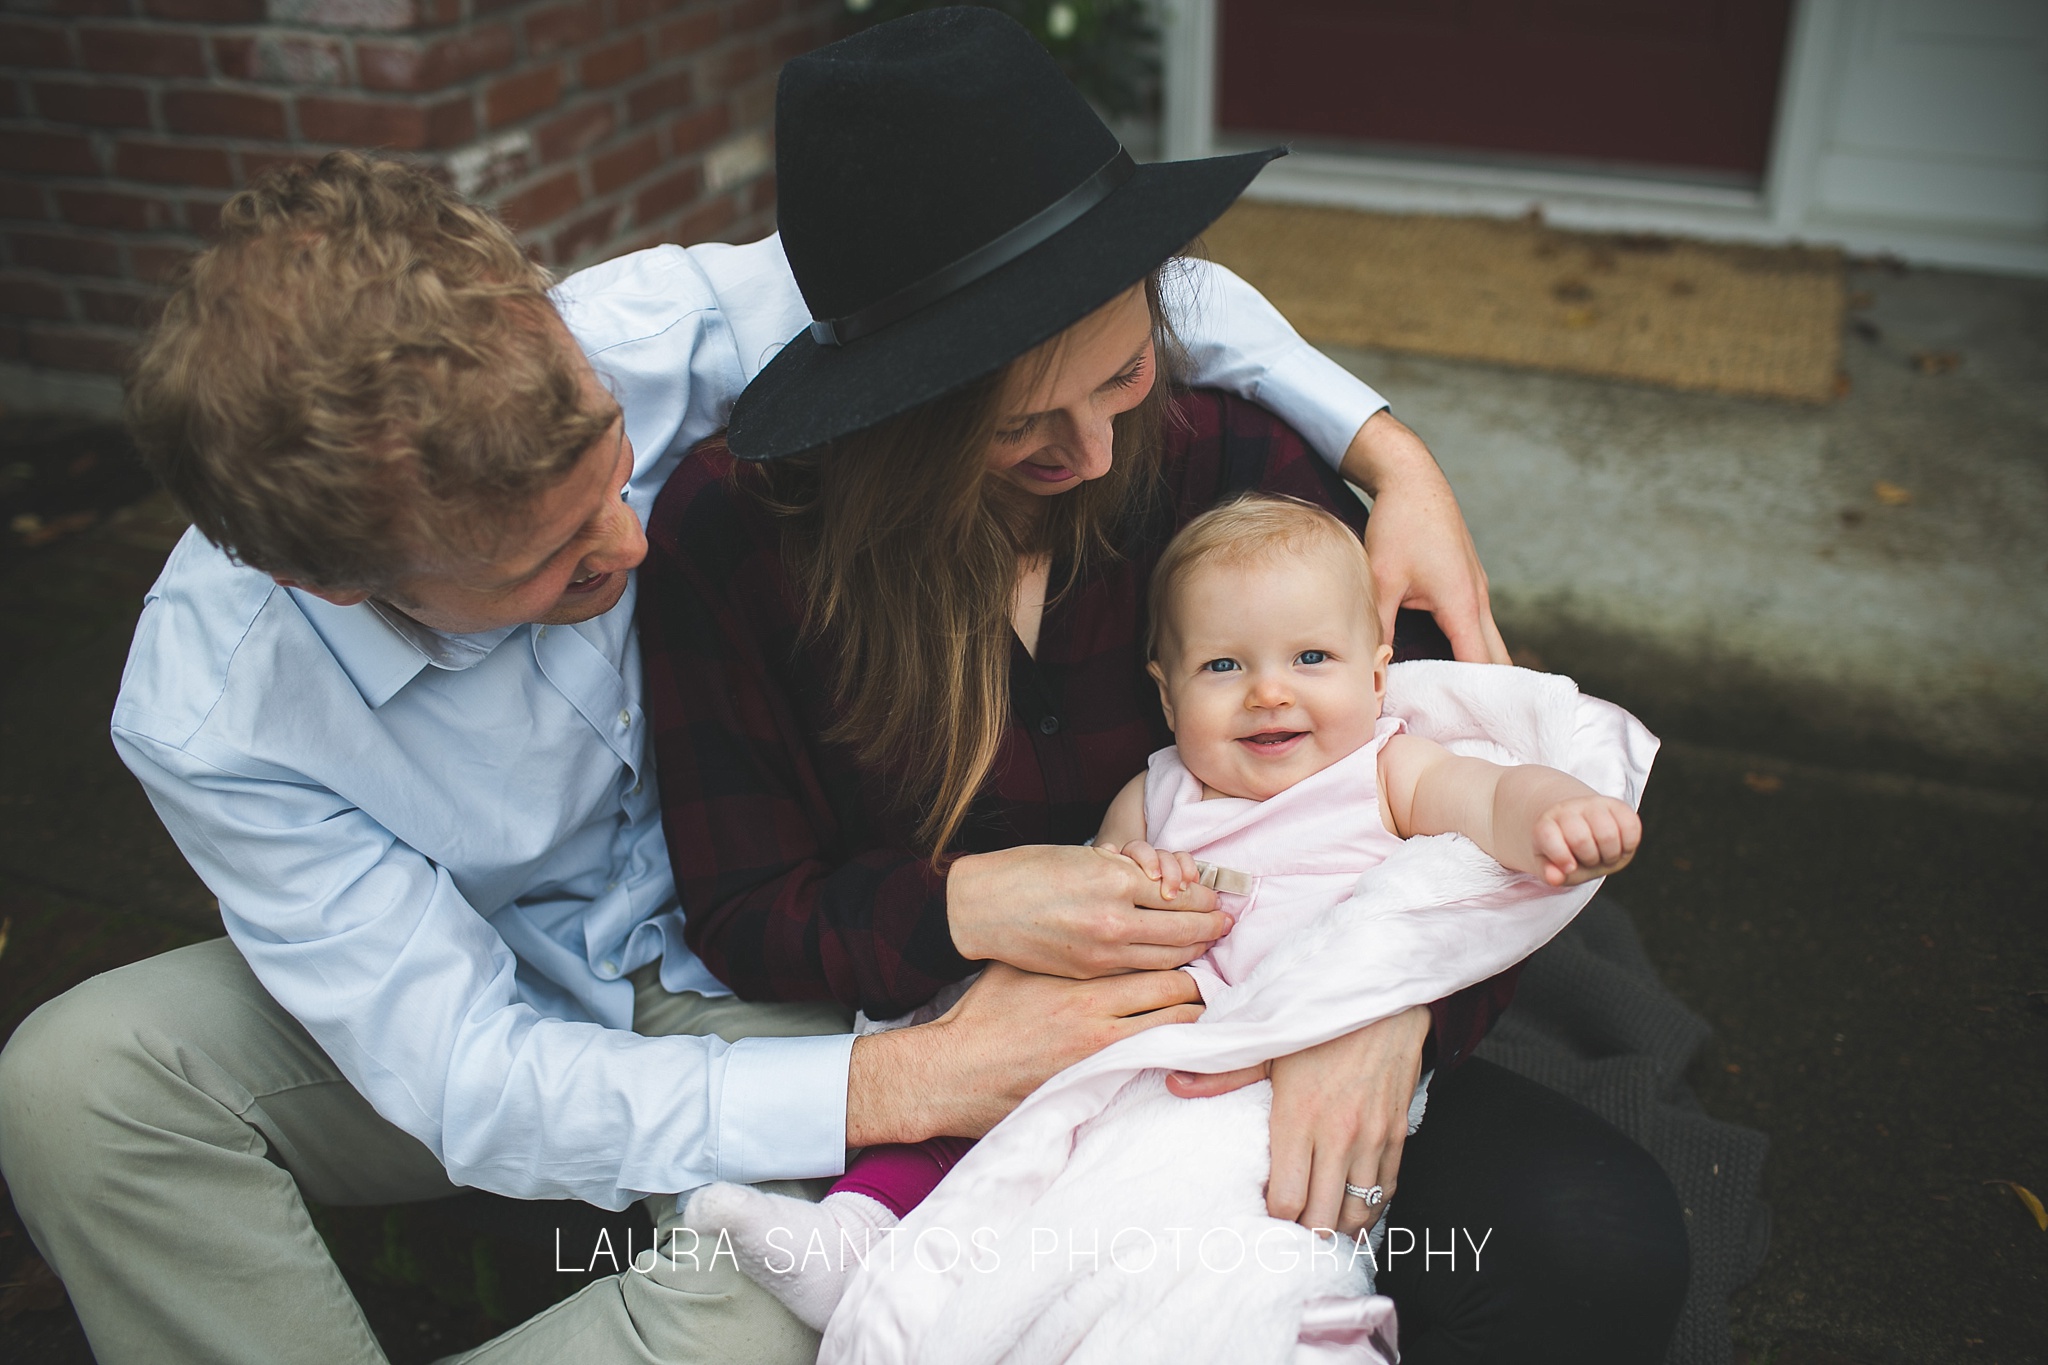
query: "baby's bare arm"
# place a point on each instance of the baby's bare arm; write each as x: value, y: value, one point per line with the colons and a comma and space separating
x: 1125, y: 820
x: 1528, y: 817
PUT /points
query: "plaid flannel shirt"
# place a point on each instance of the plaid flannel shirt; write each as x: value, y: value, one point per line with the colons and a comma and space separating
x: 797, y: 870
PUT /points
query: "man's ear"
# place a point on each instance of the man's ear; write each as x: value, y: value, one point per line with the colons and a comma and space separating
x: 340, y: 597
x: 1165, y: 701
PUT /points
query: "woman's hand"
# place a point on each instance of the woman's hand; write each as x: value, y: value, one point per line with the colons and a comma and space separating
x: 961, y: 1074
x: 1422, y: 554
x: 1340, y: 1115
x: 1074, y: 911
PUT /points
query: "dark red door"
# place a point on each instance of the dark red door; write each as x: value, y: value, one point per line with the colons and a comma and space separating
x: 1676, y: 83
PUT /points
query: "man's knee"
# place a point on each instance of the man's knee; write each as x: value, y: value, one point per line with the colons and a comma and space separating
x: 95, y: 1059
x: 59, y: 1055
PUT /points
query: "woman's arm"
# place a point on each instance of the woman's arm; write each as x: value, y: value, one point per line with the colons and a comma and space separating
x: 1422, y: 554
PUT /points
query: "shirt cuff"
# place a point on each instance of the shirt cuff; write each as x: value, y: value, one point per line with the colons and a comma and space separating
x: 1321, y: 399
x: 782, y: 1108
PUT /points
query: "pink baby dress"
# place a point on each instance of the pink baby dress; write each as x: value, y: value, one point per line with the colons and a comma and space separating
x: 1303, y: 848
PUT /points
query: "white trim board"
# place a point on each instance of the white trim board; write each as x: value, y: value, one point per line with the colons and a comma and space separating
x: 1826, y: 146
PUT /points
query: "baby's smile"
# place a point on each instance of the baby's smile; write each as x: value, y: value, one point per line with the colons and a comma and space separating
x: 1272, y: 743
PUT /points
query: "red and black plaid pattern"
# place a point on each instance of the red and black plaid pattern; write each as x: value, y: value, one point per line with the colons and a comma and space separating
x: 798, y: 875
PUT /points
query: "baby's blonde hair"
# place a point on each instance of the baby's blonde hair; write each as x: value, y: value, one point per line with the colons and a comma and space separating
x: 1250, y: 528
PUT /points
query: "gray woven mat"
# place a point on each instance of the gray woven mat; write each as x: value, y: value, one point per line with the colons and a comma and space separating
x: 1592, y: 1019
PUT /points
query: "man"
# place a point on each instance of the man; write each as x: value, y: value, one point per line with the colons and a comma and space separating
x: 385, y: 697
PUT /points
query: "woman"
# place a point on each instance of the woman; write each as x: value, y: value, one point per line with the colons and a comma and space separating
x: 894, y: 649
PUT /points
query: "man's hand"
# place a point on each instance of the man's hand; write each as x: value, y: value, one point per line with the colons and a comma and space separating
x: 1074, y: 911
x: 1340, y: 1115
x: 959, y: 1075
x: 1422, y: 554
x: 1583, y: 837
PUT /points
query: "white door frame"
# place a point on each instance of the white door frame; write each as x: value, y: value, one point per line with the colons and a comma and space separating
x: 1782, y: 210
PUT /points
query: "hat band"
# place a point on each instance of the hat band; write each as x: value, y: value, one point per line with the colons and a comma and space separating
x: 980, y: 261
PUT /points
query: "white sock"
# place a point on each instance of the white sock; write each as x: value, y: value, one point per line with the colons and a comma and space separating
x: 778, y: 1241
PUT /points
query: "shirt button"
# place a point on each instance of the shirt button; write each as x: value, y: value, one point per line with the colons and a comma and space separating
x: 1050, y: 725
x: 625, y: 719
x: 608, y: 967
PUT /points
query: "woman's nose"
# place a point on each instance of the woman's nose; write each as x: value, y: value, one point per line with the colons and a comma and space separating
x: 1094, y: 444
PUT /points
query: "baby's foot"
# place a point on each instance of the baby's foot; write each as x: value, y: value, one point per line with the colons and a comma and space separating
x: 802, y: 1253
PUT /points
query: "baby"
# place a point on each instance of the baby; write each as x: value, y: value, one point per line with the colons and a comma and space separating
x: 1266, y: 648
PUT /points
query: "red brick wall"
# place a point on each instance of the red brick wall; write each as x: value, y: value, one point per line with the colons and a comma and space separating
x: 595, y: 126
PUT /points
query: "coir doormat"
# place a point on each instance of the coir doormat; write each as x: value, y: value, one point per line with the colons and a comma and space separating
x: 1760, y: 321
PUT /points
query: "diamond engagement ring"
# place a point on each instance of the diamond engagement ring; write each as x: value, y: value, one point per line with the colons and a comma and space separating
x: 1373, y: 1197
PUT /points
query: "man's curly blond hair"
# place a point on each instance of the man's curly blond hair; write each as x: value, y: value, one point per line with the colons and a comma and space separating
x: 362, y: 380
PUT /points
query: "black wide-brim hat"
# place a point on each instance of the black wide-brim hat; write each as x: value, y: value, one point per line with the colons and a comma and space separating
x: 948, y: 201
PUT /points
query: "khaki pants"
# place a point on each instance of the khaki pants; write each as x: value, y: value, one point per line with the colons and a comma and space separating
x: 162, y: 1126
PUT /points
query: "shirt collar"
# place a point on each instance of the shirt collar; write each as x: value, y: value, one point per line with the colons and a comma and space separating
x: 382, y: 649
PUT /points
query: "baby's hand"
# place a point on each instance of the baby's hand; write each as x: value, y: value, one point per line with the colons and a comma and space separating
x: 1173, y: 871
x: 1584, y: 837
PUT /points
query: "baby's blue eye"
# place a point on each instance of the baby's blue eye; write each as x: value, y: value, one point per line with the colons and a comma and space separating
x: 1312, y: 656
x: 1219, y: 666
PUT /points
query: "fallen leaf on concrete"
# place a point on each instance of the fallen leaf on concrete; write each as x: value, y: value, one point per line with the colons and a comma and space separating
x: 2028, y: 1198
x: 1859, y: 299
x: 1935, y: 362
x: 1578, y: 317
x: 1891, y: 494
x: 35, y: 1289
x: 33, y: 530
x: 1842, y: 385
x: 1765, y: 783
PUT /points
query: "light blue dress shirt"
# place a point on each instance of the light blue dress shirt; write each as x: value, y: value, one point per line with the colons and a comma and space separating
x: 443, y: 854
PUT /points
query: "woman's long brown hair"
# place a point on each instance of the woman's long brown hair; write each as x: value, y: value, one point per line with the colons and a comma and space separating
x: 906, y: 553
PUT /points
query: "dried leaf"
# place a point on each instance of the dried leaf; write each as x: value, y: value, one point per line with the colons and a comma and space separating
x: 1763, y: 783
x: 1935, y: 362
x: 1578, y: 317
x: 1842, y: 385
x: 1891, y: 494
x: 43, y: 532
x: 2028, y: 1198
x: 34, y: 1289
